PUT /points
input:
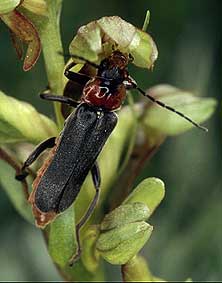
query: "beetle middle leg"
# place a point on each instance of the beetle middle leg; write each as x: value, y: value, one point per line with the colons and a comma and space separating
x: 49, y: 143
x: 59, y: 98
x: 95, y: 172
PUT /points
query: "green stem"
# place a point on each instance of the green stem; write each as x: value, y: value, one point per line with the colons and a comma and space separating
x: 52, y: 45
x: 136, y: 270
x: 132, y: 136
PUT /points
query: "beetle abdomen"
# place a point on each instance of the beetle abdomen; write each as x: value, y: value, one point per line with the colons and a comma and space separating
x: 81, y: 141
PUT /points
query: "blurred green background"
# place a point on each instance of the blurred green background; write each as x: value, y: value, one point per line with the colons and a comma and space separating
x: 187, y: 237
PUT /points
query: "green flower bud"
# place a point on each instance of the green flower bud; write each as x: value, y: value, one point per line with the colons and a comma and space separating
x: 124, y: 214
x: 150, y: 191
x: 95, y: 40
x: 119, y: 245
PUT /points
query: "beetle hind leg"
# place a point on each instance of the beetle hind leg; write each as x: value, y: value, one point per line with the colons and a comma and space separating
x: 96, y: 181
x: 49, y: 143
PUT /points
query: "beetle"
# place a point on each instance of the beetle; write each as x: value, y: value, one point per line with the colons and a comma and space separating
x: 85, y: 132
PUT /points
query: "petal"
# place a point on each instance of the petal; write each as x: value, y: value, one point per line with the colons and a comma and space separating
x: 26, y: 32
x: 7, y: 6
x: 96, y: 39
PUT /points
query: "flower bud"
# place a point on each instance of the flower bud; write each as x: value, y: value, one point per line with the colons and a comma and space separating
x: 124, y: 214
x: 150, y: 191
x: 119, y: 245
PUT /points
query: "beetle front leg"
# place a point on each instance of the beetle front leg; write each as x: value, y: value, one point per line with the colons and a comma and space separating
x: 49, y: 143
x: 79, y: 78
x: 96, y: 181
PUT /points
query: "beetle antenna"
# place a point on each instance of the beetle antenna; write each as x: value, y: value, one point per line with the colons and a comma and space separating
x: 171, y: 109
x: 80, y: 58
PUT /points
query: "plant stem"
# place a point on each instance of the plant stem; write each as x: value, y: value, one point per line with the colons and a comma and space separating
x: 14, y: 164
x: 51, y: 46
x: 136, y: 270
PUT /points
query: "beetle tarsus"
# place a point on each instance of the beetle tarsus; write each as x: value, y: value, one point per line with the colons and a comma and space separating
x: 75, y: 258
x: 21, y: 177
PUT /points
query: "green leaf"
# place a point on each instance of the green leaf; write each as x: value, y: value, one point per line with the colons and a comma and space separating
x: 96, y: 39
x: 7, y: 6
x: 150, y: 191
x: 164, y: 121
x: 62, y: 240
x: 14, y: 191
x: 19, y: 122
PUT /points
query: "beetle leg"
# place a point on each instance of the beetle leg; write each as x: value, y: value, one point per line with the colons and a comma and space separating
x: 79, y: 78
x: 49, y: 143
x: 96, y: 181
x: 59, y: 98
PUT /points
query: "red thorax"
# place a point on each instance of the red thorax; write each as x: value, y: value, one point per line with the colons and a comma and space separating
x: 95, y: 93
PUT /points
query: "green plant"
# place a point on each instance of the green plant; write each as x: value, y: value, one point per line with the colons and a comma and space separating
x: 142, y: 128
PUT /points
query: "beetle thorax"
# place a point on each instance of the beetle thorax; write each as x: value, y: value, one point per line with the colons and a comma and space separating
x: 107, y: 90
x: 98, y: 94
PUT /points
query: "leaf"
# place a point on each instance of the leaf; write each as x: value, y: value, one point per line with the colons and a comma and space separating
x: 150, y: 191
x: 19, y: 122
x: 164, y: 121
x: 14, y: 191
x: 62, y: 241
x: 26, y: 32
x: 7, y: 6
x: 96, y: 38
